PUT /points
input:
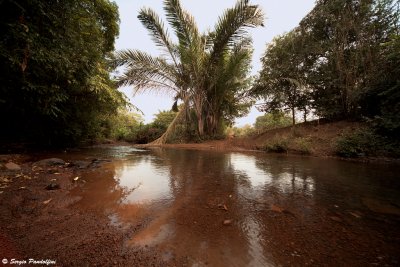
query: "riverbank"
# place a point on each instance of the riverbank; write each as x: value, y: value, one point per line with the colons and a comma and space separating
x: 312, y: 139
x: 39, y: 220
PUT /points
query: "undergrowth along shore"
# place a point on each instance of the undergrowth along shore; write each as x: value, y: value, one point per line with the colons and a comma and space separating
x: 344, y: 139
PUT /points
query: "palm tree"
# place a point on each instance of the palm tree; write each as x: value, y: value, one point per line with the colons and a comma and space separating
x: 229, y: 86
x: 199, y: 69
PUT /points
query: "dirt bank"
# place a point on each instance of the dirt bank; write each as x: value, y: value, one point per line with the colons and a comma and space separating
x: 312, y: 138
x: 315, y: 139
x: 41, y: 224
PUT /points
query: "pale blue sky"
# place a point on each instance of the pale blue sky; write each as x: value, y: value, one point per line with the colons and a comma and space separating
x: 281, y: 16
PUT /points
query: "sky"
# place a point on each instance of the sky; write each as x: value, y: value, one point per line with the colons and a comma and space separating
x: 281, y: 16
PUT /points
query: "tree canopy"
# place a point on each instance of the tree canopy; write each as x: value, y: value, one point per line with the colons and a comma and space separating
x: 271, y: 121
x: 341, y: 61
x: 55, y: 80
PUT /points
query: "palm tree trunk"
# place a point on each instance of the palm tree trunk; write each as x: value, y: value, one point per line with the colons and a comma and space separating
x: 171, y: 127
x: 200, y: 125
x: 212, y: 123
x: 293, y: 117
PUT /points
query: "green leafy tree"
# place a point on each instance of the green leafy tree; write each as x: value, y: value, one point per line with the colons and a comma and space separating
x: 271, y: 121
x: 55, y: 81
x: 344, y: 52
x: 123, y: 126
x: 281, y: 80
x: 208, y: 71
x: 163, y: 119
x: 387, y: 90
x: 341, y: 62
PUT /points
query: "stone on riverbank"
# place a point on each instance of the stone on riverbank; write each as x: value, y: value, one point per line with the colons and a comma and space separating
x: 11, y: 166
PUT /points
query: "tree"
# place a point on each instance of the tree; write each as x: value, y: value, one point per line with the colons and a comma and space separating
x: 271, y: 121
x: 341, y: 61
x: 228, y: 96
x: 163, y: 119
x: 280, y: 82
x: 387, y: 89
x: 344, y: 52
x: 123, y: 126
x: 55, y: 80
x: 206, y: 71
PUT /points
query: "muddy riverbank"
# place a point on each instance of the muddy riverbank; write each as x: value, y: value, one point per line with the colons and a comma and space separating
x: 42, y: 224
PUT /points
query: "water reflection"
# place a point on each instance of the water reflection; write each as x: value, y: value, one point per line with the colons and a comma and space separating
x: 147, y: 182
x: 246, y: 165
x: 281, y: 208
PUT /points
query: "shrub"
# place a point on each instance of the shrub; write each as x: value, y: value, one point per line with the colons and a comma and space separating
x: 123, y: 126
x: 366, y: 142
x: 303, y: 145
x: 354, y: 144
x: 279, y: 145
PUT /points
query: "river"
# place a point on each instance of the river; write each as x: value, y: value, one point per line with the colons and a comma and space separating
x: 248, y: 209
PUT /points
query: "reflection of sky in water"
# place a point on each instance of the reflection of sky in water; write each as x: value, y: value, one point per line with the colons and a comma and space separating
x: 147, y: 181
x: 246, y: 165
x: 150, y: 181
x: 285, y: 181
x: 256, y: 250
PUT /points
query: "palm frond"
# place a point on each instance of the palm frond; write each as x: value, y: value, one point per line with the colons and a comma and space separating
x: 145, y: 71
x: 232, y: 25
x: 182, y: 22
x: 158, y: 32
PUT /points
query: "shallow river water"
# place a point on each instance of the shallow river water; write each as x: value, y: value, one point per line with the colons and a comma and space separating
x: 248, y: 209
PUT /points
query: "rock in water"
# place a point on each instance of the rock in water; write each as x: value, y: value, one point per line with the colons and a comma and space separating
x: 277, y: 208
x: 49, y: 162
x: 11, y: 166
x: 336, y: 219
x: 227, y: 222
x: 80, y: 164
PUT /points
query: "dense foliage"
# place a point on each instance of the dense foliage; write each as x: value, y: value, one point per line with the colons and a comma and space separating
x: 266, y: 122
x: 342, y: 61
x: 123, y: 126
x: 209, y: 72
x: 271, y: 121
x: 150, y: 132
x: 55, y: 85
x: 128, y: 126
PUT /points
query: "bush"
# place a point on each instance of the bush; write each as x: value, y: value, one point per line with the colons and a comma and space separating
x: 279, y: 145
x: 366, y: 142
x: 354, y: 144
x: 147, y: 133
x: 303, y: 145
